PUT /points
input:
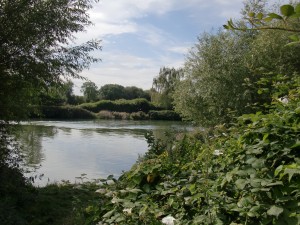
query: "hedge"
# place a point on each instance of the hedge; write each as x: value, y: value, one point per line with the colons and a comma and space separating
x: 121, y: 105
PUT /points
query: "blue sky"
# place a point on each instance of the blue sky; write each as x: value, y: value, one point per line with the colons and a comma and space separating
x: 141, y: 36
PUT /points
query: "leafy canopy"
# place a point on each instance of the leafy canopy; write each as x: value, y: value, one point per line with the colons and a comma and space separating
x: 36, y: 49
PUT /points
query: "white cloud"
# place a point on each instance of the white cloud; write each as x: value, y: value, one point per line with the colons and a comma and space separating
x: 113, y: 18
x: 180, y: 49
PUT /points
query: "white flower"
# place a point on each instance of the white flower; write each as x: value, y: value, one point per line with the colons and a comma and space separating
x: 168, y: 220
x: 128, y: 211
x: 283, y: 100
x: 218, y: 152
x: 101, y: 191
x: 114, y: 200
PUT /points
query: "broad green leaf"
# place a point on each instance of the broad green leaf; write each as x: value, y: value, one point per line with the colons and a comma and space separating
x: 259, y: 163
x: 241, y: 183
x: 274, y: 184
x: 192, y: 188
x: 278, y: 170
x: 108, y: 214
x: 275, y: 211
x: 244, y: 202
x: 275, y: 16
x: 297, y: 144
x: 287, y: 10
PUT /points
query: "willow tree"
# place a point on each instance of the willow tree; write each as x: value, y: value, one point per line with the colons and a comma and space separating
x: 225, y: 73
x: 37, y: 49
x: 163, y: 86
x: 37, y: 52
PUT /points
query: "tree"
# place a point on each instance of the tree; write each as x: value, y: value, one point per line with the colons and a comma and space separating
x: 112, y: 92
x: 90, y: 91
x: 135, y: 92
x: 163, y: 86
x: 36, y: 49
x: 37, y: 53
x: 224, y: 73
x: 214, y: 72
x: 58, y: 94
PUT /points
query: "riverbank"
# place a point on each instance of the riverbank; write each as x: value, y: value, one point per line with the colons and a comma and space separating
x: 79, y: 112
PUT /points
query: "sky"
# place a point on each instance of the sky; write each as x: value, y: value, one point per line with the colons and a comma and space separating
x: 139, y: 37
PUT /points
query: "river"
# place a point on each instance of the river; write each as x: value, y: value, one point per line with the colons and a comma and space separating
x: 85, y: 150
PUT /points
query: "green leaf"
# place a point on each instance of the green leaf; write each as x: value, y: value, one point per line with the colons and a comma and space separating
x: 192, y: 188
x: 108, y: 214
x: 226, y: 27
x: 259, y: 163
x: 260, y: 16
x: 275, y: 211
x: 296, y: 145
x: 251, y: 14
x: 241, y: 183
x: 268, y: 19
x: 287, y: 10
x: 275, y: 16
x: 278, y: 170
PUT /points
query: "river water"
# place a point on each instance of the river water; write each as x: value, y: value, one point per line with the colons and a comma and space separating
x: 85, y: 150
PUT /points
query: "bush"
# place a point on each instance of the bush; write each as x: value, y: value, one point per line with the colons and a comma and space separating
x: 164, y: 115
x: 64, y: 112
x: 121, y: 105
x: 139, y: 116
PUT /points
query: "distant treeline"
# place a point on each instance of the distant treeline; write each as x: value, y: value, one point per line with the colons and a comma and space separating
x: 136, y: 109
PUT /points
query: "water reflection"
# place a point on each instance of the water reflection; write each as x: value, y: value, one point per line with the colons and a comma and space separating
x: 30, y: 137
x: 63, y: 150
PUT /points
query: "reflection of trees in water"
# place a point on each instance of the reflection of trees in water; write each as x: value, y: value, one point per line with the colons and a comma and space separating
x: 30, y: 138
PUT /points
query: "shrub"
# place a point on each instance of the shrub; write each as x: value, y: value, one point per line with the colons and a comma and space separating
x: 104, y: 114
x: 64, y: 112
x: 164, y: 115
x: 139, y: 116
x: 121, y: 115
x: 120, y: 105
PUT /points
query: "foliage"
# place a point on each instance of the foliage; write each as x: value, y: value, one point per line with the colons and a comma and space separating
x: 211, y: 91
x: 64, y: 112
x: 163, y: 115
x: 90, y: 91
x: 248, y: 173
x: 112, y: 92
x: 53, y: 204
x: 163, y: 87
x: 226, y: 72
x: 58, y: 94
x: 35, y: 51
x: 120, y: 105
x: 286, y: 20
x: 133, y: 92
x: 116, y: 91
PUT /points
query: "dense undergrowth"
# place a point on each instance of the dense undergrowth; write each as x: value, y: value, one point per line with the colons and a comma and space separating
x: 247, y: 174
x: 56, y: 204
